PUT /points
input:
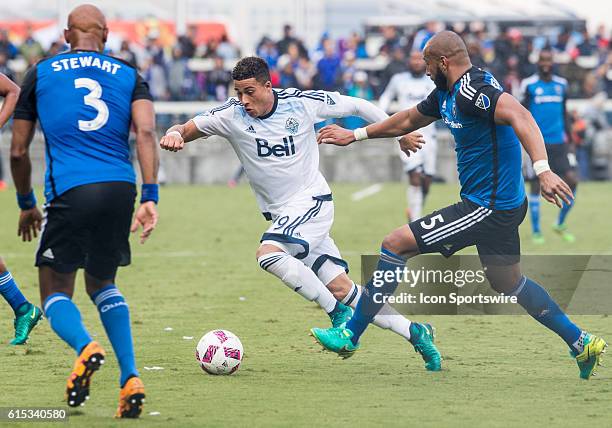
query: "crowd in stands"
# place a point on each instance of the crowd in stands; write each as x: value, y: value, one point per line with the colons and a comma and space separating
x: 333, y: 64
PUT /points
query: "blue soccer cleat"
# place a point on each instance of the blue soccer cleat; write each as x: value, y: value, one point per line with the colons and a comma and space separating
x: 422, y: 337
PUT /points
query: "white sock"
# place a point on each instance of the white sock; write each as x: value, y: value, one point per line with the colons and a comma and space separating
x: 415, y: 201
x: 388, y: 318
x: 297, y: 276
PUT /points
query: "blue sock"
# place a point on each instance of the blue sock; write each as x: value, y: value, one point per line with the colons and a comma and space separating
x: 115, y: 317
x: 534, y: 210
x: 10, y: 291
x: 565, y: 210
x: 367, y: 308
x: 538, y: 303
x: 65, y: 320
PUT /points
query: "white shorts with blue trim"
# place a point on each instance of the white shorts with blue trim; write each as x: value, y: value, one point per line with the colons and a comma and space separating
x: 302, y: 230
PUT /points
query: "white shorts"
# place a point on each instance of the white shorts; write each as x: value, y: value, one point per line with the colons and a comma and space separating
x: 302, y: 230
x: 423, y: 160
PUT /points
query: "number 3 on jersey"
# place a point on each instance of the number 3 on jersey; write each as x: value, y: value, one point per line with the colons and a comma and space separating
x: 432, y: 222
x: 92, y: 99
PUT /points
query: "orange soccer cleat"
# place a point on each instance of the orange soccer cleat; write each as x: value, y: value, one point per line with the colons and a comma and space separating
x: 131, y: 399
x: 86, y: 364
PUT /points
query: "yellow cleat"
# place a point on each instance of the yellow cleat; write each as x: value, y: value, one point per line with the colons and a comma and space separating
x: 591, y: 356
x: 131, y: 399
x: 86, y: 364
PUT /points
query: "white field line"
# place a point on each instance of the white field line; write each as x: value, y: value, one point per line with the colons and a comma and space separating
x: 367, y: 192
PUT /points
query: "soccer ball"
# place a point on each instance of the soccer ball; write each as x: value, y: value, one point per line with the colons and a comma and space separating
x: 219, y: 352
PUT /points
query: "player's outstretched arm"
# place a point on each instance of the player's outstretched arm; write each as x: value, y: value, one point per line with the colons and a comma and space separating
x: 177, y: 135
x: 143, y: 118
x: 509, y: 111
x: 401, y: 123
x: 10, y: 92
x: 30, y: 217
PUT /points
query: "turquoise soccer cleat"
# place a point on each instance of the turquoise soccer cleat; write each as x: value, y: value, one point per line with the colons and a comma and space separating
x: 336, y: 340
x: 422, y: 337
x: 591, y: 356
x: 26, y: 319
x: 341, y: 315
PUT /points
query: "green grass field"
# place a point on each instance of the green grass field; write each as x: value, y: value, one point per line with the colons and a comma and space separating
x: 198, y: 272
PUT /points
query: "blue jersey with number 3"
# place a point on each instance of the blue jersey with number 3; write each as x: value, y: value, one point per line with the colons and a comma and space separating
x: 83, y: 101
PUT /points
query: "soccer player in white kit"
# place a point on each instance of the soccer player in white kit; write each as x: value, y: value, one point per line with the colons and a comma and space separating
x: 272, y: 132
x: 410, y: 88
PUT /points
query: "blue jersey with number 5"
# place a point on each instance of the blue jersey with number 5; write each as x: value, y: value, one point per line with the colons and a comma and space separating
x: 83, y: 101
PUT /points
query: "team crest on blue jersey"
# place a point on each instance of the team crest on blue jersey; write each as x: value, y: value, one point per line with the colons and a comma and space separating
x: 539, y: 90
x: 292, y: 125
x: 483, y: 102
x: 558, y: 89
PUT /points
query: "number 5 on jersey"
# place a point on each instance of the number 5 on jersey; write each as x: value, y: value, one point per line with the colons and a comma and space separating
x: 432, y: 222
x: 92, y: 99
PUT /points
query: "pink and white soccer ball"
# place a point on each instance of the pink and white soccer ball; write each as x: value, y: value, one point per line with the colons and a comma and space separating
x: 219, y: 352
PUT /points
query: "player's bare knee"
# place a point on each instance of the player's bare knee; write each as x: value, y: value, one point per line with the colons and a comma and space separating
x: 340, y: 286
x: 3, y: 267
x: 266, y: 249
x: 401, y: 241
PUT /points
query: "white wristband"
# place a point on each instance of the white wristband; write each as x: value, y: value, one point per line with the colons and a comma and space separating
x: 360, y: 134
x: 541, y: 166
x: 178, y: 134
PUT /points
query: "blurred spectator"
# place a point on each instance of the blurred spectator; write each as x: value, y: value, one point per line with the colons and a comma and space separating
x: 218, y: 81
x: 422, y: 36
x: 211, y: 49
x: 181, y: 82
x: 395, y: 66
x: 360, y: 88
x: 268, y: 51
x: 288, y: 38
x: 56, y: 47
x: 305, y: 73
x: 391, y: 40
x: 586, y: 45
x: 348, y: 70
x: 187, y: 42
x: 226, y: 49
x: 6, y: 47
x: 356, y: 44
x: 126, y: 54
x: 287, y: 74
x: 328, y: 68
x: 30, y: 48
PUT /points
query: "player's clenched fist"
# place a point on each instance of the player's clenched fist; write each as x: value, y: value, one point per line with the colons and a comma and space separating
x: 172, y: 141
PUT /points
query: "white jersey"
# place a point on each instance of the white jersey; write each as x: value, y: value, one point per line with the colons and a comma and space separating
x: 279, y: 151
x: 409, y: 91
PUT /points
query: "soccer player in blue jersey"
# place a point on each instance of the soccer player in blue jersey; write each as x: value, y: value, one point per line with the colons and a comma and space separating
x: 488, y: 126
x: 85, y: 102
x: 27, y: 315
x: 545, y: 96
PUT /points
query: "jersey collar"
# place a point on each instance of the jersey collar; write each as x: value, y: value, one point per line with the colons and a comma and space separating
x: 267, y: 115
x: 461, y: 77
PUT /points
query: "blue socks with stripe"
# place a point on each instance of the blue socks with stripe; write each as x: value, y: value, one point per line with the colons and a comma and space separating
x: 534, y: 211
x: 565, y: 210
x: 368, y: 306
x: 10, y: 291
x: 538, y: 303
x: 65, y: 320
x: 115, y: 317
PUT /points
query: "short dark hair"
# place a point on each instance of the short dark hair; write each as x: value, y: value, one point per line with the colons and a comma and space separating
x: 249, y: 67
